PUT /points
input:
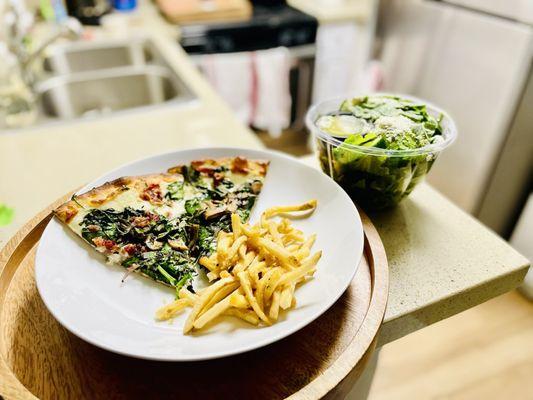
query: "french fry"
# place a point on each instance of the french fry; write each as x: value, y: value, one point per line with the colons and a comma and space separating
x: 238, y: 300
x: 232, y: 251
x: 245, y: 283
x: 273, y: 230
x: 308, y: 205
x: 171, y: 310
x: 274, y: 306
x: 307, y: 267
x: 223, y: 246
x: 305, y: 249
x: 286, y: 296
x: 246, y: 315
x: 293, y: 248
x: 285, y: 226
x: 212, y: 312
x: 254, y: 272
x: 208, y: 263
x: 219, y: 295
x: 285, y: 258
x: 203, y: 300
x: 236, y: 226
x: 272, y: 283
x: 261, y: 285
x: 243, y: 252
x: 185, y: 293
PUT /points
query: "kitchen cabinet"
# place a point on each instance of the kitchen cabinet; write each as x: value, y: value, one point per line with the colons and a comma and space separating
x: 469, y: 62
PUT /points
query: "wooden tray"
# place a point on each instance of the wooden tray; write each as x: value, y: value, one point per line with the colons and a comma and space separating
x: 39, y: 358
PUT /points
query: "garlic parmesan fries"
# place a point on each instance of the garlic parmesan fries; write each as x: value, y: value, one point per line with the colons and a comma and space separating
x: 255, y: 271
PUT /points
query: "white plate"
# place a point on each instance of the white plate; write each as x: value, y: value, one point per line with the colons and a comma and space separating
x: 87, y: 297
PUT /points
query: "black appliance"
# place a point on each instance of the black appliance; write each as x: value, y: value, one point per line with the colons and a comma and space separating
x: 273, y: 24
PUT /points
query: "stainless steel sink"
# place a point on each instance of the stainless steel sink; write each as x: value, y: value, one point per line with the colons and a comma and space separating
x: 83, y: 80
x: 90, y: 56
x: 106, y: 91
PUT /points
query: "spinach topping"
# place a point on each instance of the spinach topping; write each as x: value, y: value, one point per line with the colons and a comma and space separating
x: 150, y: 236
x: 193, y: 206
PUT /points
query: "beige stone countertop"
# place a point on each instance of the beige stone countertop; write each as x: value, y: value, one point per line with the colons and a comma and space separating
x: 40, y: 164
x: 441, y: 261
x: 328, y: 11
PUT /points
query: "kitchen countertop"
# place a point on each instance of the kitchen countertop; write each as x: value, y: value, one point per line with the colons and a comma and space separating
x: 441, y: 260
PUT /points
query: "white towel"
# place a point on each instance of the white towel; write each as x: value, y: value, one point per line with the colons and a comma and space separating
x: 255, y: 85
x: 231, y: 76
x: 273, y: 93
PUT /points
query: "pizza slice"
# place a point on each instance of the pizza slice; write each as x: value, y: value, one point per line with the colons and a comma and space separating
x: 160, y: 225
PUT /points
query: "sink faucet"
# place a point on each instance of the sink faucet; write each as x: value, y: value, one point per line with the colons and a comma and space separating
x: 18, y: 23
x: 17, y: 80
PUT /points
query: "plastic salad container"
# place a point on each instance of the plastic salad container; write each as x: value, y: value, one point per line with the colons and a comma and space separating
x: 378, y: 147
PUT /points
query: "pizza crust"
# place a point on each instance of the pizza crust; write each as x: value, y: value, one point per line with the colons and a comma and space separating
x: 101, y: 195
x: 237, y: 165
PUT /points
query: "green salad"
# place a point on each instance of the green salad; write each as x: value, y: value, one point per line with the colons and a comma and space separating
x: 369, y: 147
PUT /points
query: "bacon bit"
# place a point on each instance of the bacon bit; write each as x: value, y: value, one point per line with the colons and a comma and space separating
x: 67, y: 212
x: 130, y: 248
x: 99, y: 241
x: 109, y: 244
x: 93, y: 228
x: 239, y: 165
x: 152, y: 194
x: 218, y: 177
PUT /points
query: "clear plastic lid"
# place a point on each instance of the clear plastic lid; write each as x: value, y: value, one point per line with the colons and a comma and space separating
x: 449, y: 131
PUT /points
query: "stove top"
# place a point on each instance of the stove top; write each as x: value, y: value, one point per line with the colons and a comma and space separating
x: 273, y: 25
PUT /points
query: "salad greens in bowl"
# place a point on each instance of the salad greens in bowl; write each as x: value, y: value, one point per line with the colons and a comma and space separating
x: 379, y: 147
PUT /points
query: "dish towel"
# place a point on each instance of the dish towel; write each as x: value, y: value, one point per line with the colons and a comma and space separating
x: 255, y: 85
x: 231, y: 76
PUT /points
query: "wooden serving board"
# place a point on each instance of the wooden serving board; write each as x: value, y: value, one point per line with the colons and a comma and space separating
x: 200, y: 11
x: 39, y: 358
